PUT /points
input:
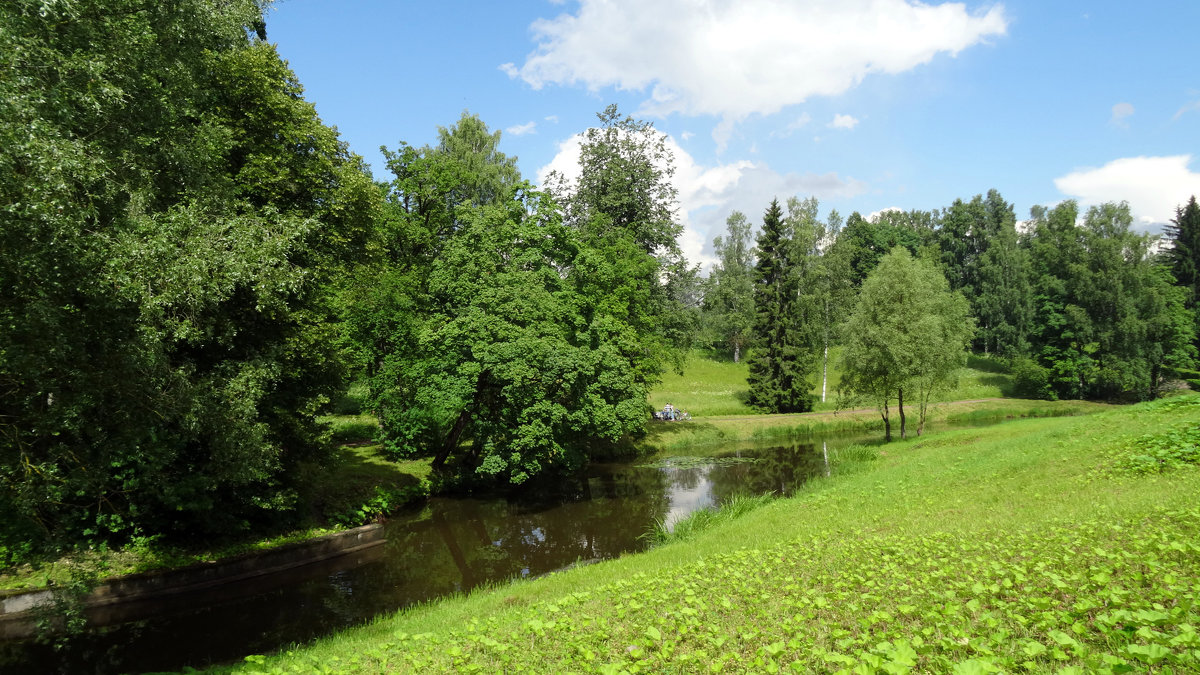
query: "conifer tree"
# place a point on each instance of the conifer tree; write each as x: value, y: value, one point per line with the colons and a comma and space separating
x: 777, y: 379
x: 1184, y: 254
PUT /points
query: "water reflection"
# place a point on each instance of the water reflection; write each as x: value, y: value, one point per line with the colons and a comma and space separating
x: 448, y: 546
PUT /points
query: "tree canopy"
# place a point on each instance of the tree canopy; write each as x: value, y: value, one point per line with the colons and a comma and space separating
x: 173, y: 210
x: 907, y: 333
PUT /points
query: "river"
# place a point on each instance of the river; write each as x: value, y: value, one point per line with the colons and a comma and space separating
x: 449, y: 545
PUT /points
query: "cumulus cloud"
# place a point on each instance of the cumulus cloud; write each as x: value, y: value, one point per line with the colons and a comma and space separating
x: 522, y: 129
x: 733, y: 59
x: 1153, y: 186
x: 708, y: 194
x: 843, y: 122
x: 1121, y: 112
x: 874, y: 217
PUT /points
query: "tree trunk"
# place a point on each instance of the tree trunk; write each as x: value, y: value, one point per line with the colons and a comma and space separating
x: 887, y: 424
x: 451, y: 440
x: 825, y: 369
x: 737, y: 352
x: 900, y: 405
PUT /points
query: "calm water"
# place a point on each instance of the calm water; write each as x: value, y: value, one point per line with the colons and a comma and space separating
x: 450, y: 545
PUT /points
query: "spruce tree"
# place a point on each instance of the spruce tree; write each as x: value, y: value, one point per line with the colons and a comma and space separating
x: 1184, y: 254
x: 777, y: 377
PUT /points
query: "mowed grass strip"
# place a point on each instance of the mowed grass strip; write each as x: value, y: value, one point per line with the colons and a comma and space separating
x: 1023, y: 547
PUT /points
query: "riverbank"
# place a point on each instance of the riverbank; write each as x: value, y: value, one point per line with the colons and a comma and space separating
x: 1037, y: 545
x: 703, y: 434
x: 360, y: 485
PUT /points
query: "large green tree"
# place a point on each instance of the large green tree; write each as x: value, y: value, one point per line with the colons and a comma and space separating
x: 174, y: 213
x: 624, y: 195
x: 781, y: 363
x: 981, y: 256
x: 908, y: 333
x: 1106, y: 318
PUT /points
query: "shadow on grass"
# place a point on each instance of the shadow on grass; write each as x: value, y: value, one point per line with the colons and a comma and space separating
x: 988, y: 364
x: 1002, y: 382
x: 354, y: 476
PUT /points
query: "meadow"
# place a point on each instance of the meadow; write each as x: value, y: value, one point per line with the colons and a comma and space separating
x: 1057, y: 545
x: 709, y: 385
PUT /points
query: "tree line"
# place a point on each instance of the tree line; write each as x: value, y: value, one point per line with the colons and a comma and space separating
x: 193, y: 266
x: 1078, y: 305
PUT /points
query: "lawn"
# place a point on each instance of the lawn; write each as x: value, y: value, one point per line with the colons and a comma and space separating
x: 714, y: 386
x: 1057, y: 545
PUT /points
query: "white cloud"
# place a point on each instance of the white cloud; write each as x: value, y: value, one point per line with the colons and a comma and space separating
x: 1120, y: 112
x: 733, y: 59
x: 1193, y: 106
x: 875, y: 214
x: 708, y: 194
x: 509, y: 69
x: 522, y: 129
x: 553, y: 119
x: 1153, y: 186
x: 687, y: 135
x: 843, y: 122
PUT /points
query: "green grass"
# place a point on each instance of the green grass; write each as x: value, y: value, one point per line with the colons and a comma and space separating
x: 711, y: 386
x: 1022, y: 547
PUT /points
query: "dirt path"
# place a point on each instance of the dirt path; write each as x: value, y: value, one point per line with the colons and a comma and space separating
x: 816, y: 415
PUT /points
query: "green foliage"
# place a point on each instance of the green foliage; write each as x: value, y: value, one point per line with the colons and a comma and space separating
x: 174, y: 211
x: 1160, y: 451
x: 865, y: 242
x: 729, y: 298
x: 785, y: 359
x: 1032, y: 380
x: 1108, y: 319
x: 907, y: 332
x: 1183, y: 233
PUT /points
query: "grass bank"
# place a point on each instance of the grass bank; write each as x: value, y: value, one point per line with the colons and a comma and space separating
x: 712, y: 433
x: 711, y: 386
x: 1041, y: 545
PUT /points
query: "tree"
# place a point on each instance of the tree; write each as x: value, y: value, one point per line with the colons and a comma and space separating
x: 865, y: 242
x: 176, y: 213
x: 519, y: 363
x: 1105, y: 322
x: 780, y: 365
x: 979, y: 251
x: 729, y: 301
x: 624, y: 195
x: 908, y: 332
x: 1183, y: 255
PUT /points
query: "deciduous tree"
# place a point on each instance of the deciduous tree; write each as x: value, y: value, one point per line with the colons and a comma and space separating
x: 907, y: 333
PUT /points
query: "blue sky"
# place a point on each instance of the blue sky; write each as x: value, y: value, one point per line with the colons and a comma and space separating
x: 866, y: 104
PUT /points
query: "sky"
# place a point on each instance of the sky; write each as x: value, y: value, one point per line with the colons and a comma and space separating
x: 864, y: 104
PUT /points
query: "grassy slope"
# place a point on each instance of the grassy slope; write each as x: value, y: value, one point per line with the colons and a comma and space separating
x: 1004, y: 548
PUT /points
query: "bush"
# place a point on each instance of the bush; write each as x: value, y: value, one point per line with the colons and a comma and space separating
x: 1032, y: 380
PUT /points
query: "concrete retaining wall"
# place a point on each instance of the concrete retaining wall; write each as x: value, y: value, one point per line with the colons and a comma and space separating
x: 140, y: 595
